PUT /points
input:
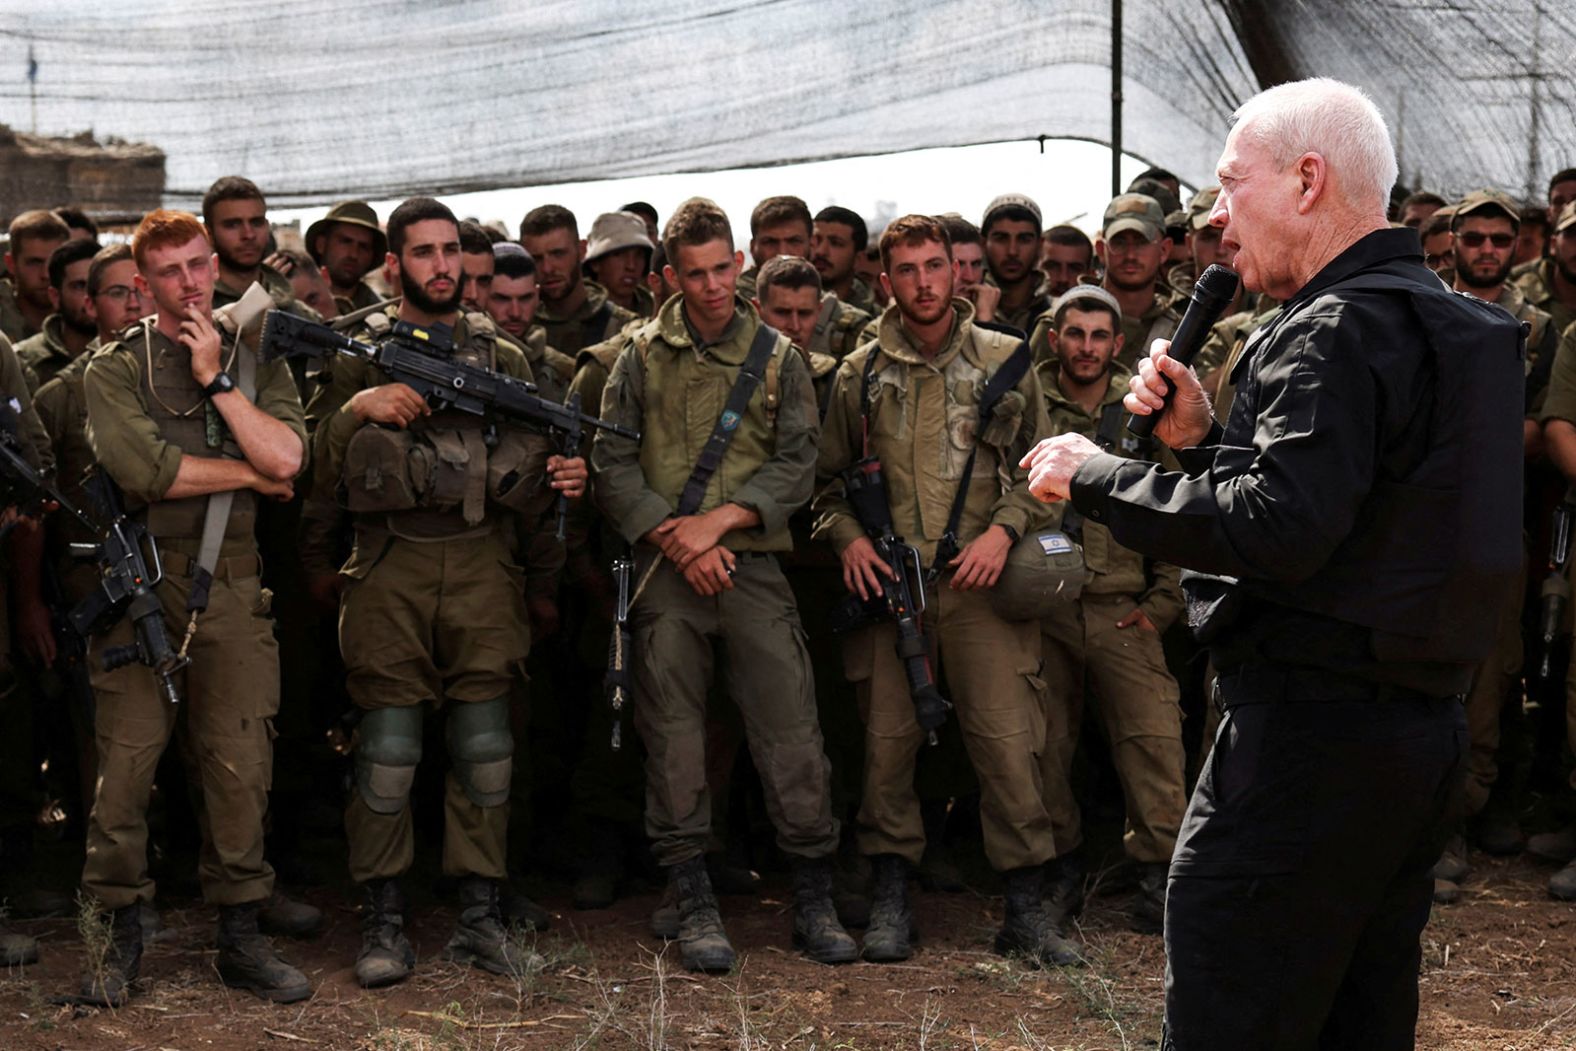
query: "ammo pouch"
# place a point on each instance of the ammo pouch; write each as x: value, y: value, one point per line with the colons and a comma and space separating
x: 1044, y: 570
x: 388, y: 469
x: 516, y: 472
x: 1213, y: 604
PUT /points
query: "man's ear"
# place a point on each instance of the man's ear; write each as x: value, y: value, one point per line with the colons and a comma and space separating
x: 1313, y: 171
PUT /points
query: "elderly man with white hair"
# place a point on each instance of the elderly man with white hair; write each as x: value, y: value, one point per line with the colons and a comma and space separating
x: 1347, y: 526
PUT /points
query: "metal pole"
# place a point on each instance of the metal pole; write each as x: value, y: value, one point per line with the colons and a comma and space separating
x: 1116, y: 97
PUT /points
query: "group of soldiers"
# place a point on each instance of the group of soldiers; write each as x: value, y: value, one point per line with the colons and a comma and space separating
x: 790, y: 523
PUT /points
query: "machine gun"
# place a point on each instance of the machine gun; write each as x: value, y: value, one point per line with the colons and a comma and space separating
x: 422, y: 358
x: 865, y: 487
x: 1556, y: 586
x: 126, y: 585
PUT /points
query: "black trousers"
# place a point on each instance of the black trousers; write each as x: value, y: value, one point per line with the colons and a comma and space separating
x: 1301, y: 879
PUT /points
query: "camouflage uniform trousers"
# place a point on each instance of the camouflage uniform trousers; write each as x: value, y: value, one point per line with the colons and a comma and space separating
x: 229, y: 696
x: 1493, y: 686
x: 1137, y: 701
x: 989, y: 670
x: 431, y: 623
x: 765, y: 668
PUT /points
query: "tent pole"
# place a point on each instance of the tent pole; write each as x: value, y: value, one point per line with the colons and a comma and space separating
x: 1116, y: 97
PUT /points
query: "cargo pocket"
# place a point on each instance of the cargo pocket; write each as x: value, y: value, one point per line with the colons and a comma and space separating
x: 517, y: 473
x: 385, y: 470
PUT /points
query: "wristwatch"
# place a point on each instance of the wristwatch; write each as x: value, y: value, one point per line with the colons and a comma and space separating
x: 1012, y: 534
x: 222, y: 384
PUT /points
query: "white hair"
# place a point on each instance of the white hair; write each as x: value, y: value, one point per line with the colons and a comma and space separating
x: 1335, y: 120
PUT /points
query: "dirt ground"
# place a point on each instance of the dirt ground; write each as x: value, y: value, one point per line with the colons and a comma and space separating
x: 1499, y: 974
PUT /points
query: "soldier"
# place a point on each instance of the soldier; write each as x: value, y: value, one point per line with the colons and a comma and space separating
x: 618, y: 257
x: 1011, y: 229
x: 922, y: 382
x: 476, y: 262
x: 348, y: 243
x: 170, y: 426
x: 80, y: 223
x: 1417, y: 207
x: 309, y: 282
x: 511, y: 301
x: 1438, y: 244
x: 1551, y: 285
x: 648, y: 216
x: 1109, y: 638
x: 867, y: 267
x: 24, y: 292
x: 968, y: 254
x: 1066, y: 255
x: 236, y: 216
x: 404, y: 653
x: 67, y: 331
x: 837, y: 240
x: 778, y: 226
x: 706, y: 533
x: 575, y: 311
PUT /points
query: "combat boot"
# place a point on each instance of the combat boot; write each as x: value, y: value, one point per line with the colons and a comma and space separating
x: 17, y: 949
x: 1027, y: 929
x: 891, y: 932
x: 520, y: 911
x: 386, y: 956
x: 280, y: 915
x: 247, y: 960
x: 703, y: 944
x: 1064, y: 887
x: 1497, y: 830
x: 1563, y: 883
x: 481, y: 940
x: 109, y: 985
x: 1558, y: 847
x: 1149, y: 910
x: 665, y: 917
x: 815, y: 926
x: 1452, y: 866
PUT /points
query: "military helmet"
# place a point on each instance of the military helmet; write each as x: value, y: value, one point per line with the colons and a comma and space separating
x: 1044, y: 570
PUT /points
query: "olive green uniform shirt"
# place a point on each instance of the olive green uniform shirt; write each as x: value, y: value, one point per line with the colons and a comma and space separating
x: 13, y: 323
x: 1537, y: 284
x: 573, y: 332
x: 16, y: 386
x: 44, y: 353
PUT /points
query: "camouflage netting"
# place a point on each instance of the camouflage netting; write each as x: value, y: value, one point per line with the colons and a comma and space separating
x: 380, y: 98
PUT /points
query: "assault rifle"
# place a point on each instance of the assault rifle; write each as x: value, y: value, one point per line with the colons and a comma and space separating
x: 123, y: 551
x: 422, y: 358
x: 865, y: 487
x: 1556, y: 586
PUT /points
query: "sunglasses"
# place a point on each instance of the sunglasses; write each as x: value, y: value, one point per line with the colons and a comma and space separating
x: 1475, y: 239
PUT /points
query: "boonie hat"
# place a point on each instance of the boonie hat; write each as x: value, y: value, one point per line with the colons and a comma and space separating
x: 356, y: 213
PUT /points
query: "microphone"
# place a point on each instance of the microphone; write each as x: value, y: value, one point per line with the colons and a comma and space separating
x: 1216, y: 288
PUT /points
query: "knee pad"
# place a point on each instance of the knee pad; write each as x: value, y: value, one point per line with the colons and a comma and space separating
x: 388, y: 747
x: 481, y: 749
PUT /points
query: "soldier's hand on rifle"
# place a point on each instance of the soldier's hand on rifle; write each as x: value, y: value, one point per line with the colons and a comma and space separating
x: 981, y: 560
x: 863, y: 568
x: 395, y: 404
x: 568, y: 475
x: 34, y: 632
x: 712, y: 572
x: 198, y: 335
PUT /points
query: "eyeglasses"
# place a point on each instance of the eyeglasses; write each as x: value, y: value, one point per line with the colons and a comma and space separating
x: 1475, y: 239
x: 1437, y: 261
x: 120, y: 293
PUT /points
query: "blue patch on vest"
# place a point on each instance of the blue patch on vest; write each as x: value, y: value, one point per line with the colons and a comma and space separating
x: 730, y: 420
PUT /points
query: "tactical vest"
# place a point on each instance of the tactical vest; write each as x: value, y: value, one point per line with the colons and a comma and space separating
x: 1433, y: 538
x: 188, y: 420
x: 684, y: 398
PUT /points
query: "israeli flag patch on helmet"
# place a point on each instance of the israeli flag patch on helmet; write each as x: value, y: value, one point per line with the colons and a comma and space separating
x: 1055, y: 543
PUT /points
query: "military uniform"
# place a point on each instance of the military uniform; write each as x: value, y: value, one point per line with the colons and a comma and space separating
x: 433, y: 610
x: 1125, y: 668
x: 862, y: 297
x: 1023, y: 319
x: 276, y: 285
x: 551, y: 369
x: 598, y: 319
x: 14, y: 325
x: 361, y: 297
x: 672, y: 388
x: 45, y: 353
x: 145, y: 411
x: 923, y: 423
x: 1537, y: 285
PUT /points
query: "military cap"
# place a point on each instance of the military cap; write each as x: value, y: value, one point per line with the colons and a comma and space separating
x: 1169, y: 202
x: 1201, y: 205
x: 1012, y: 200
x: 1087, y: 292
x: 356, y: 213
x: 615, y: 231
x: 1486, y: 201
x: 1134, y: 211
x: 1566, y: 218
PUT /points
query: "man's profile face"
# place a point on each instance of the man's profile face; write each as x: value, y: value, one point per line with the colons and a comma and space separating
x: 71, y: 300
x: 1086, y: 341
x: 1560, y: 194
x: 511, y: 303
x: 970, y: 259
x: 791, y: 311
x: 558, y: 255
x: 832, y: 251
x: 178, y: 278
x: 621, y: 272
x: 919, y: 278
x: 1011, y: 249
x: 1485, y: 250
x: 1132, y: 261
x: 1206, y: 248
x: 1565, y: 253
x: 706, y: 275
x: 430, y: 266
x: 786, y: 238
x: 478, y: 268
x: 119, y: 300
x: 348, y: 251
x: 1416, y: 213
x: 28, y: 264
x: 240, y: 233
x: 309, y: 286
x: 1063, y: 265
x: 1439, y: 251
x: 1256, y: 213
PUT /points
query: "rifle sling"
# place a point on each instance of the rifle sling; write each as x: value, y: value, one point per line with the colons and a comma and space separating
x: 751, y: 374
x: 217, y: 520
x: 1107, y: 434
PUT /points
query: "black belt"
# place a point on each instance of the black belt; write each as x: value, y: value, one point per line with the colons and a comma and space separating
x: 1270, y: 683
